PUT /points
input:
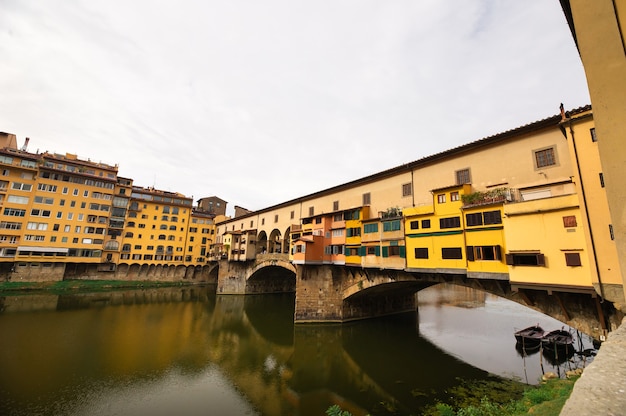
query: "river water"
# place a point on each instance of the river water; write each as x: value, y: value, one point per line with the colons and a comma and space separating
x: 187, y: 351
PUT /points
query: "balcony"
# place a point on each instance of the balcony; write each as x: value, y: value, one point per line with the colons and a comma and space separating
x: 493, y: 196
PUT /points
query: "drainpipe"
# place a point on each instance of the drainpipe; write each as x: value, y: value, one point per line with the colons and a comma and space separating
x: 584, y: 198
x: 412, y: 189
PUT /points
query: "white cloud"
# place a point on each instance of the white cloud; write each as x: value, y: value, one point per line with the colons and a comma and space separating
x: 261, y: 102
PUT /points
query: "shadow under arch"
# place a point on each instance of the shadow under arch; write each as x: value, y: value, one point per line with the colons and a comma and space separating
x: 272, y: 276
x: 272, y: 320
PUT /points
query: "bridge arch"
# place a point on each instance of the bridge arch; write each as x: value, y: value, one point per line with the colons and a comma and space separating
x: 275, y: 241
x: 348, y: 293
x: 261, y: 246
x: 271, y: 276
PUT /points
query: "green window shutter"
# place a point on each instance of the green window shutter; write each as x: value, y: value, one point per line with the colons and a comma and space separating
x: 385, y: 251
x: 377, y: 252
x: 403, y: 252
x: 362, y: 251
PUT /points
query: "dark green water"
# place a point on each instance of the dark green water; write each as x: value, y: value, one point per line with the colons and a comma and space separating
x: 189, y: 352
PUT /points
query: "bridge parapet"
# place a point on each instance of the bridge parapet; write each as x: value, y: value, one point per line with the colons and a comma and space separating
x: 260, y: 258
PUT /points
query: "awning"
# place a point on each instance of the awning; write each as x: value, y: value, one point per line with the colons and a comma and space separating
x: 44, y: 249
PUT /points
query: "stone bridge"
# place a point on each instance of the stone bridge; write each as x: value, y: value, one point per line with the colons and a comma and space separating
x: 335, y: 293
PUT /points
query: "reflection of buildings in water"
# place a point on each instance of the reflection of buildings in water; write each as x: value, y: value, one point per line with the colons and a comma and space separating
x: 453, y: 295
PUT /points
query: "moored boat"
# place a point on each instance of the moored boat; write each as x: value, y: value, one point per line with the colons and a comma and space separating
x: 559, y: 339
x: 530, y: 337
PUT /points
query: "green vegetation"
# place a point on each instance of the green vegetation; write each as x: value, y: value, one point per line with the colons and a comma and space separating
x: 478, y: 197
x: 66, y: 286
x: 507, y: 398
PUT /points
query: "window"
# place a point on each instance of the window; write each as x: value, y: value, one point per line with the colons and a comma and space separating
x: 425, y: 223
x: 22, y: 200
x: 391, y: 225
x: 335, y: 206
x: 451, y: 222
x: 373, y: 250
x: 441, y: 198
x: 21, y: 186
x: 275, y: 218
x: 611, y: 232
x: 492, y: 217
x: 311, y: 211
x: 367, y: 198
x: 421, y: 252
x: 545, y: 158
x: 474, y: 219
x: 415, y: 225
x: 292, y: 214
x: 370, y: 228
x: 14, y: 212
x: 463, y: 176
x: 525, y: 259
x: 451, y: 253
x: 569, y: 221
x: 454, y: 196
x: 592, y: 131
x: 572, y: 259
x: 484, y: 253
x: 407, y: 189
x: 601, y: 179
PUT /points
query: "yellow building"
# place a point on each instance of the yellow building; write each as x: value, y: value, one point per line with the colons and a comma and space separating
x: 435, y: 239
x: 598, y: 30
x: 157, y: 228
x: 601, y: 255
x: 57, y: 208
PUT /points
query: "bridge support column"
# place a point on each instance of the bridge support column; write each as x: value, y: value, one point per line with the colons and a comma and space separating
x: 231, y: 278
x: 318, y: 294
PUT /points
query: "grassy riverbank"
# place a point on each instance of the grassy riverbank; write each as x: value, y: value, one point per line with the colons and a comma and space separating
x: 66, y: 286
x: 501, y: 399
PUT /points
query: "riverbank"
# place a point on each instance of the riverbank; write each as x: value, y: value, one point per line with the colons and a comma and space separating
x: 78, y: 286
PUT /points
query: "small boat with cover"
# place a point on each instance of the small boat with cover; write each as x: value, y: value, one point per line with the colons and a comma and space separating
x: 558, y: 340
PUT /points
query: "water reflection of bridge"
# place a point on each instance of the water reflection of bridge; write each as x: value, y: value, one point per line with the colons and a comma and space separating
x: 281, y: 368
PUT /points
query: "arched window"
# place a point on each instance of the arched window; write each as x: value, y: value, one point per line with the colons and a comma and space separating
x: 126, y: 247
x: 112, y: 245
x: 129, y: 235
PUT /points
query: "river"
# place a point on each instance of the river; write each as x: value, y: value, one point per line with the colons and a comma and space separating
x: 186, y: 351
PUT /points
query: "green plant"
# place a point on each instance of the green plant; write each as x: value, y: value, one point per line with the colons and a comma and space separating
x: 335, y: 410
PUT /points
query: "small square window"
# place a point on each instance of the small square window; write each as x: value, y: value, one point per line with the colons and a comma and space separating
x: 463, y: 176
x: 572, y: 259
x: 407, y: 189
x: 545, y: 158
x: 594, y: 138
x: 335, y: 206
x: 454, y: 196
x: 367, y: 199
x: 441, y: 198
x: 569, y: 221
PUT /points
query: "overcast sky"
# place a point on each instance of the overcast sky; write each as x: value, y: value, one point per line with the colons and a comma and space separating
x: 262, y: 101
